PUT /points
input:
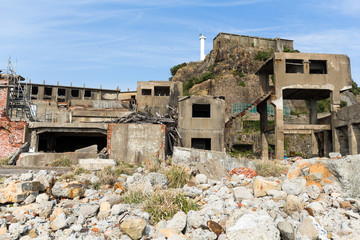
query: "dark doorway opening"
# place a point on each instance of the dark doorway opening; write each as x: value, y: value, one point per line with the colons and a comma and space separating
x: 201, y: 143
x: 201, y: 110
x: 69, y: 142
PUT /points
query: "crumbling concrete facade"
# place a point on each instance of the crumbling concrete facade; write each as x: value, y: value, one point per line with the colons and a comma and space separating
x: 155, y: 96
x: 303, y: 76
x: 276, y: 44
x: 201, y: 122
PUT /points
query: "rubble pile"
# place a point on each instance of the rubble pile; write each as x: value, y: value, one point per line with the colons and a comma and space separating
x: 313, y: 201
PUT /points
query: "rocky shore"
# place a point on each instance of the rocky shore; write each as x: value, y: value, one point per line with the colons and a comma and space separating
x: 315, y: 199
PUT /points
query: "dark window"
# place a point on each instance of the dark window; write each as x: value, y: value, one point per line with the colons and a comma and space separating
x: 48, y: 91
x: 146, y: 92
x: 201, y: 110
x: 61, y: 92
x: 201, y: 143
x: 294, y: 66
x: 318, y: 67
x: 75, y: 93
x: 34, y: 90
x: 87, y: 93
x: 162, y: 91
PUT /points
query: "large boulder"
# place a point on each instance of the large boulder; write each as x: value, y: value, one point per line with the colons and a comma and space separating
x: 261, y: 187
x: 16, y: 192
x: 134, y: 228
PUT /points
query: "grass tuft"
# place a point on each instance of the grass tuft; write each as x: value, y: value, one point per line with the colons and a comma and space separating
x: 270, y: 168
x: 177, y: 177
x: 61, y: 162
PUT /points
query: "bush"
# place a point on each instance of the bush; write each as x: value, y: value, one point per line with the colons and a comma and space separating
x: 238, y: 73
x: 291, y: 51
x: 264, y: 55
x: 80, y: 170
x: 241, y: 84
x: 323, y: 105
x: 177, y: 177
x: 270, y: 168
x: 204, y: 77
x: 355, y: 89
x: 61, y: 162
x: 174, y: 69
x: 134, y: 197
x: 4, y: 161
x: 108, y: 175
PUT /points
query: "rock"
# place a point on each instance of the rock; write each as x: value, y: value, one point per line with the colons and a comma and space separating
x: 118, y: 209
x: 317, y: 177
x: 195, y: 219
x: 59, y: 222
x: 55, y: 213
x: 308, y: 228
x: 334, y: 155
x: 170, y: 234
x: 29, y: 199
x: 241, y: 193
x: 18, y: 228
x: 157, y: 179
x: 294, y: 186
x: 257, y: 225
x: 87, y: 210
x: 26, y: 176
x: 71, y: 189
x: 134, y: 228
x: 92, y: 148
x: 201, y: 179
x: 191, y: 191
x: 276, y: 194
x: 345, y: 204
x: 200, y: 234
x: 16, y: 192
x: 313, y: 191
x: 261, y: 186
x: 286, y: 230
x: 42, y: 197
x: 96, y: 163
x: 294, y: 203
x: 178, y: 222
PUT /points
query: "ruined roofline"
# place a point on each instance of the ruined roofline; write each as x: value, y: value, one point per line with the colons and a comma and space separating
x: 239, y: 35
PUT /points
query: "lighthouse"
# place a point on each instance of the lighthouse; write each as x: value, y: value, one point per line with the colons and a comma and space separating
x: 202, y: 46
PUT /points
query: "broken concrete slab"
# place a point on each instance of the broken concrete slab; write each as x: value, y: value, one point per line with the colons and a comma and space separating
x: 96, y: 163
x: 92, y: 148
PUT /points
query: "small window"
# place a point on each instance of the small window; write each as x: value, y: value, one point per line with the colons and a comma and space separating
x: 34, y: 90
x: 61, y: 92
x: 146, y: 92
x: 162, y: 91
x: 318, y: 67
x: 201, y: 110
x: 75, y: 93
x: 294, y: 66
x: 48, y: 91
x: 87, y: 93
x: 201, y: 143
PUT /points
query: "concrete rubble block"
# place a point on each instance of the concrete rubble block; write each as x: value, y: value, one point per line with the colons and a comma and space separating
x: 261, y: 187
x: 157, y: 179
x: 286, y: 230
x: 165, y: 233
x: 59, y: 222
x: 92, y: 148
x: 258, y: 225
x: 241, y: 193
x: 334, y: 155
x: 201, y: 234
x: 178, y: 222
x: 294, y: 186
x: 134, y: 228
x: 96, y: 163
x: 71, y: 189
x: 294, y: 203
x: 276, y: 194
x: 16, y: 192
x: 313, y: 191
x: 201, y: 179
x: 87, y: 210
x: 311, y: 228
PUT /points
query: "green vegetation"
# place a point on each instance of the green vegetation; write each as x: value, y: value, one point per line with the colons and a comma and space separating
x: 241, y: 84
x: 109, y: 175
x: 270, y: 168
x: 264, y: 55
x: 355, y: 89
x: 4, y: 161
x: 291, y: 51
x: 254, y: 126
x: 235, y: 153
x: 205, y: 76
x: 177, y: 177
x: 174, y: 69
x: 80, y: 170
x: 188, y: 85
x: 61, y: 162
x: 134, y: 197
x: 238, y: 73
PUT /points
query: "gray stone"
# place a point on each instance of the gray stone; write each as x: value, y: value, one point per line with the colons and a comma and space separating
x: 59, y: 222
x: 134, y: 228
x: 18, y: 228
x: 96, y: 163
x: 200, y: 234
x: 294, y: 186
x: 191, y: 191
x: 87, y: 210
x: 68, y: 189
x: 241, y: 193
x: 157, y: 179
x: 26, y: 176
x: 334, y: 154
x: 286, y: 230
x: 30, y: 199
x: 201, y: 179
x: 118, y: 209
x: 42, y: 197
x: 276, y: 194
x: 195, y: 219
x: 313, y: 191
x: 178, y: 222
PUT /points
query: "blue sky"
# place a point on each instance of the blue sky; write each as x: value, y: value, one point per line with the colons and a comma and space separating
x: 119, y: 42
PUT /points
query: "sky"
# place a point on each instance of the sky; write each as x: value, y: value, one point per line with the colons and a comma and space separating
x: 119, y: 42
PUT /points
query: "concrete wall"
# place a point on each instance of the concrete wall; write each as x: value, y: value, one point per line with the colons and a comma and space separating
x: 44, y: 159
x: 212, y: 127
x: 135, y: 143
x: 277, y: 44
x: 11, y: 133
x: 152, y: 103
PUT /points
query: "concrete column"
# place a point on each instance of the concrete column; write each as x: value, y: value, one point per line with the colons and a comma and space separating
x: 327, y: 143
x: 314, y: 144
x: 313, y: 111
x: 279, y: 130
x: 335, y: 106
x: 33, y: 142
x: 352, y: 140
x: 262, y: 109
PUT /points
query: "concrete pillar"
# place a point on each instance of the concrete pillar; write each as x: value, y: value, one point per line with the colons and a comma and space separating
x: 279, y: 130
x: 352, y: 140
x: 313, y: 111
x: 33, y: 142
x: 314, y: 144
x: 262, y: 109
x: 335, y: 106
x: 327, y: 143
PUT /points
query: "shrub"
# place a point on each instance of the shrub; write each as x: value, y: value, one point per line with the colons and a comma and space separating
x: 270, y: 168
x: 4, y: 161
x: 108, y: 175
x: 80, y: 170
x: 134, y: 197
x: 323, y: 105
x: 204, y: 77
x: 238, y: 73
x: 61, y: 162
x: 174, y: 69
x: 241, y: 84
x: 291, y: 51
x: 264, y: 55
x: 177, y: 177
x: 188, y: 85
x: 355, y: 89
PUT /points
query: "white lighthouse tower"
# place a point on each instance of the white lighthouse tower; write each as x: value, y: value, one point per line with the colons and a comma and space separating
x: 202, y: 46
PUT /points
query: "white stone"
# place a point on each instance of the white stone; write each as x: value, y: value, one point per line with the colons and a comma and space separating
x: 178, y: 222
x: 294, y: 186
x: 241, y: 193
x: 96, y: 163
x: 313, y: 191
x: 59, y: 222
x: 200, y: 234
x: 42, y: 197
x: 201, y: 179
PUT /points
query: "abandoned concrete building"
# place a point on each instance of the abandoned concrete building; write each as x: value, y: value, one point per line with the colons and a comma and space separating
x: 201, y: 122
x: 303, y: 76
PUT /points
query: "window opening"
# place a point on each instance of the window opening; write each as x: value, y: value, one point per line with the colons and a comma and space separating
x: 48, y: 91
x: 61, y: 92
x: 201, y: 110
x: 75, y: 93
x: 201, y: 143
x: 146, y: 92
x: 87, y: 93
x: 318, y: 67
x: 162, y: 91
x: 294, y: 66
